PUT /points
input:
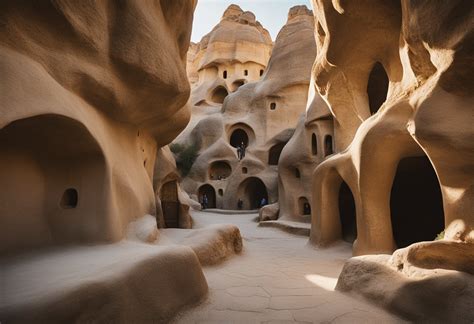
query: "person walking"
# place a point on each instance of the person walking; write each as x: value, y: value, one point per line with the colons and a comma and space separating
x: 242, y: 150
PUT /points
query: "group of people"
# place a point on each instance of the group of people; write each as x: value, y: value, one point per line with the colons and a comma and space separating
x: 241, y: 151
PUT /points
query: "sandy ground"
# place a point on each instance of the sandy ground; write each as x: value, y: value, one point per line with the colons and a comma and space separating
x: 278, y: 278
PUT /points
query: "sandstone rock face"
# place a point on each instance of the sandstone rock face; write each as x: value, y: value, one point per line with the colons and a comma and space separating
x: 398, y: 87
x: 396, y: 79
x: 310, y: 145
x: 191, y: 64
x: 88, y: 95
x: 262, y: 114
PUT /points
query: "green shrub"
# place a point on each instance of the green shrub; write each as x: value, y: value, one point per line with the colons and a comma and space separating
x: 440, y: 236
x: 185, y: 156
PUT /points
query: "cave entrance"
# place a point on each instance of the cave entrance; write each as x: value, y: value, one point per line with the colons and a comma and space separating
x: 210, y: 193
x: 219, y: 94
x: 53, y: 186
x: 377, y: 87
x: 347, y: 213
x: 274, y: 153
x: 416, y: 203
x: 237, y: 84
x: 328, y: 149
x: 69, y: 198
x: 304, y: 206
x: 314, y: 144
x: 239, y: 136
x: 219, y: 170
x: 252, y: 191
x: 170, y: 204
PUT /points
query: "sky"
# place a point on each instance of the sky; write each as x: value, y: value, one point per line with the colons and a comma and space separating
x: 271, y: 13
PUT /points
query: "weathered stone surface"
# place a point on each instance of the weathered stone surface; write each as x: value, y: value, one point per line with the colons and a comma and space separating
x: 269, y: 212
x: 79, y: 122
x: 88, y: 97
x: 261, y: 114
x: 418, y: 294
x: 122, y: 282
x: 396, y: 81
x: 403, y: 165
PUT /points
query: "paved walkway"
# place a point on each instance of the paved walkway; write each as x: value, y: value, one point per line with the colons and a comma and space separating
x: 278, y: 278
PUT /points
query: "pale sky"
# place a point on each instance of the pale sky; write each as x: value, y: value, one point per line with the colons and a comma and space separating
x: 271, y: 13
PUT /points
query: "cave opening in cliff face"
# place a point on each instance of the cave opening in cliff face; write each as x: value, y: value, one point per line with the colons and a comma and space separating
x: 328, y: 146
x: 314, y: 144
x: 252, y: 190
x: 416, y: 203
x: 52, y: 178
x: 170, y: 204
x: 274, y: 153
x: 347, y: 213
x: 210, y: 193
x: 377, y: 87
x: 219, y: 94
x: 69, y: 199
x: 238, y: 137
x: 219, y: 170
x: 237, y: 84
x: 304, y: 206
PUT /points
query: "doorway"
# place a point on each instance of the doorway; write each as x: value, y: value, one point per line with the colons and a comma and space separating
x: 170, y: 204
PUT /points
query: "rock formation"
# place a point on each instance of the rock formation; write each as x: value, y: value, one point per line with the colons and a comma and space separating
x: 397, y: 159
x: 80, y: 124
x: 262, y: 115
x: 235, y: 52
x: 397, y: 79
x: 311, y: 143
x: 90, y: 92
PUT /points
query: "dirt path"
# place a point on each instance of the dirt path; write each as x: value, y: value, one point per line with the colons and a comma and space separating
x: 278, y: 279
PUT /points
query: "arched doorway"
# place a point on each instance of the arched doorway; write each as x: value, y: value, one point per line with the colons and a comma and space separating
x: 239, y: 136
x: 377, y: 87
x: 347, y: 213
x: 416, y: 204
x: 251, y: 191
x: 219, y: 170
x: 219, y: 94
x: 328, y: 149
x: 304, y: 207
x: 274, y: 153
x: 210, y: 193
x: 170, y: 204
